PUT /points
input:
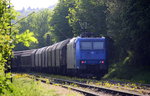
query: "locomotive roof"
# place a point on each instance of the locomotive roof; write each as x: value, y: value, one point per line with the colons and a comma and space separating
x: 91, y: 38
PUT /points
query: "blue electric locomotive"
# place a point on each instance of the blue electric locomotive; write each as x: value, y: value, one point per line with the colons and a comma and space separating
x: 87, y: 55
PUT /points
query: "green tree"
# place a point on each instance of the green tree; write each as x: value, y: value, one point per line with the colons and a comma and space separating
x: 128, y: 23
x: 129, y: 26
x: 59, y: 23
x: 91, y: 11
x: 8, y: 37
x: 38, y: 23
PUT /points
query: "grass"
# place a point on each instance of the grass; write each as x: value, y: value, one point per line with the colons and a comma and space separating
x: 28, y: 87
x: 24, y: 86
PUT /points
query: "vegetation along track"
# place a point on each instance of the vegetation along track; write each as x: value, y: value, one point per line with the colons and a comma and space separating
x: 86, y: 89
x: 86, y: 93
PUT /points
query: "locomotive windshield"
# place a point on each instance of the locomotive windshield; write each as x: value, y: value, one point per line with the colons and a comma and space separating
x: 98, y: 45
x: 92, y: 45
x: 86, y: 45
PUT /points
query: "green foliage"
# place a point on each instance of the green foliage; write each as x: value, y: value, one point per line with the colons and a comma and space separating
x: 59, y: 23
x: 28, y: 87
x: 91, y: 11
x: 128, y: 72
x: 6, y: 43
x: 38, y: 23
x: 26, y: 38
x: 129, y: 29
x: 7, y: 40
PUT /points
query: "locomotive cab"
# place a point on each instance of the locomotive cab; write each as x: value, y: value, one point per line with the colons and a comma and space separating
x: 91, y: 54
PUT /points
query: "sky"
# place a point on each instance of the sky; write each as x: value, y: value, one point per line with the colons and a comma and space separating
x: 19, y: 4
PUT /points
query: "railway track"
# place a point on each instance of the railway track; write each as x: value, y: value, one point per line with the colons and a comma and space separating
x: 88, y: 90
x: 86, y: 93
x: 99, y: 89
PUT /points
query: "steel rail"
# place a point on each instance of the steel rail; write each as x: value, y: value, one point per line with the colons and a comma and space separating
x: 98, y: 89
x: 112, y: 81
x: 106, y: 90
x: 86, y: 93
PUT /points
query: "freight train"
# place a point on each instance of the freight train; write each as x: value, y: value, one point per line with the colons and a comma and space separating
x: 76, y: 56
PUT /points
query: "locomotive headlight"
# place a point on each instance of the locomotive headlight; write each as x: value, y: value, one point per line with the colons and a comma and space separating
x: 83, y: 62
x: 102, y: 62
